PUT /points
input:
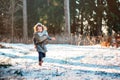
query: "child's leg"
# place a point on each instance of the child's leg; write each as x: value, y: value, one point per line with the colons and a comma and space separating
x: 44, y: 54
x: 40, y: 58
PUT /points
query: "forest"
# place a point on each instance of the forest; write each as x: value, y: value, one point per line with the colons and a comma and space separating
x: 91, y: 18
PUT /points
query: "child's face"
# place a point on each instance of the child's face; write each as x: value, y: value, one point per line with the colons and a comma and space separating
x: 39, y: 29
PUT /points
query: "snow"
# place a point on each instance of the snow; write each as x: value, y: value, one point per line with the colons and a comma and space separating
x: 62, y: 62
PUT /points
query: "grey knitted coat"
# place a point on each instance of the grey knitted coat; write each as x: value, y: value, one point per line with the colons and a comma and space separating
x: 40, y: 39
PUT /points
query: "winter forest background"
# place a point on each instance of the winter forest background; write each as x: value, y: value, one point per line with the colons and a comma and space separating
x: 84, y: 18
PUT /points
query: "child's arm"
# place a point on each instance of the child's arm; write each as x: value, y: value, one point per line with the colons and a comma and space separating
x: 40, y: 38
x: 43, y: 36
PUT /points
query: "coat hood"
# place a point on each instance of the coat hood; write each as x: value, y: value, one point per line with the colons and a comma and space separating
x: 39, y: 24
x: 35, y: 27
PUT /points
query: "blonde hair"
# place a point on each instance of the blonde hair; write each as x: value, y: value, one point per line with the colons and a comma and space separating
x: 39, y: 24
x: 35, y: 28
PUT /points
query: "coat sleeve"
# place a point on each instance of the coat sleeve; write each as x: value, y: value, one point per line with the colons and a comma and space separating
x: 46, y: 33
x: 34, y: 41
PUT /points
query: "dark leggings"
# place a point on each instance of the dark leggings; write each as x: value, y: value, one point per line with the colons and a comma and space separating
x: 41, y: 55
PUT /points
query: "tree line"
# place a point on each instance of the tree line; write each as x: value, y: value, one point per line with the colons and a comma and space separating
x: 87, y: 17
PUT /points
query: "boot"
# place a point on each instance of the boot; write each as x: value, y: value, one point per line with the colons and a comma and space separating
x: 40, y: 63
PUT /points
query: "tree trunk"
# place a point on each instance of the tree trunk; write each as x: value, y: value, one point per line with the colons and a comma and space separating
x: 67, y: 17
x: 81, y: 27
x: 12, y: 18
x: 100, y: 8
x: 25, y: 30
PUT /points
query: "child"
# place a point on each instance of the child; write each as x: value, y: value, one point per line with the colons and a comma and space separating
x: 40, y: 37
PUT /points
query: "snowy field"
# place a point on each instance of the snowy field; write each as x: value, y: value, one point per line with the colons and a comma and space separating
x: 62, y: 62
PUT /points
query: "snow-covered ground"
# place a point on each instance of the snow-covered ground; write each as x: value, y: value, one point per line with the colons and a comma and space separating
x: 62, y: 62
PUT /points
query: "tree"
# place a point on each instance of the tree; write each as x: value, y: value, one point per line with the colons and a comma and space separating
x: 13, y: 7
x: 25, y: 30
x: 67, y: 17
x: 113, y: 16
x: 9, y: 10
x: 99, y: 11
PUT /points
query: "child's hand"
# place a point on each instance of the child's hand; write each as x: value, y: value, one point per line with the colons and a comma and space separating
x: 53, y: 38
x: 35, y: 46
